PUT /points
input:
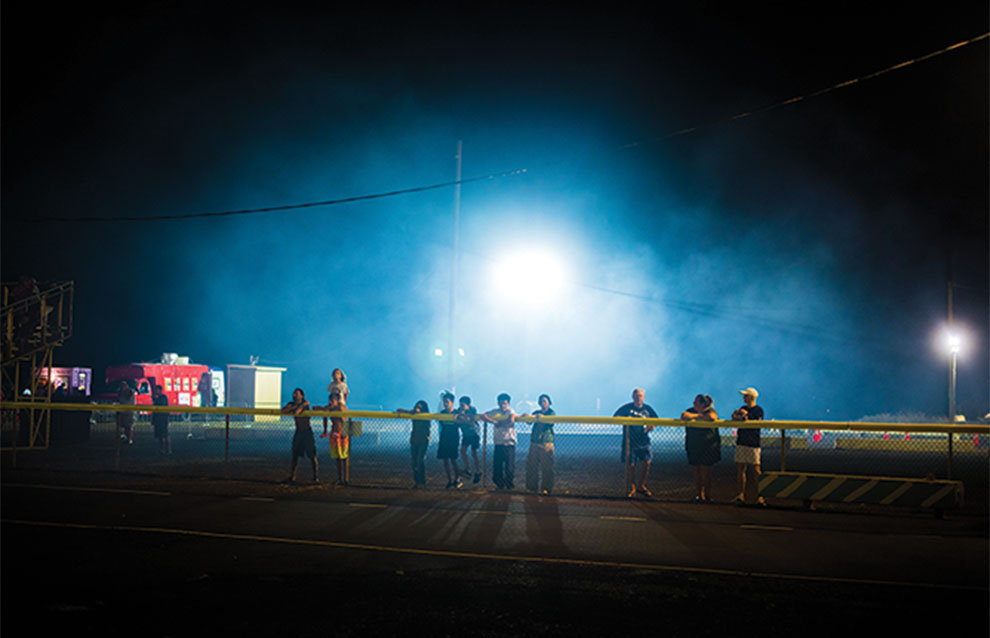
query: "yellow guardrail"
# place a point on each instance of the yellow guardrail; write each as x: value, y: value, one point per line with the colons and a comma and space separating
x: 835, y: 426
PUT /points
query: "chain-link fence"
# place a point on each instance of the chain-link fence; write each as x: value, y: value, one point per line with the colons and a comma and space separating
x: 586, y: 453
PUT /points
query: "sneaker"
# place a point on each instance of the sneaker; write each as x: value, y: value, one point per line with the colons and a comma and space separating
x: 645, y: 490
x: 738, y: 500
x: 458, y: 485
x: 477, y: 478
x: 631, y: 493
x: 449, y: 484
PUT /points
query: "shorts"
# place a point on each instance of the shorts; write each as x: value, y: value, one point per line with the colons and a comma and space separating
x: 640, y: 454
x: 303, y: 444
x: 340, y: 446
x: 471, y: 439
x: 747, y: 454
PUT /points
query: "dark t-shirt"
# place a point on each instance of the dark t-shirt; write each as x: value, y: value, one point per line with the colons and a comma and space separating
x: 542, y: 432
x: 159, y: 418
x: 750, y: 437
x: 638, y: 436
x: 420, y: 434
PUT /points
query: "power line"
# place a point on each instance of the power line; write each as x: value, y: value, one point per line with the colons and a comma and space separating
x: 813, y: 94
x: 286, y: 207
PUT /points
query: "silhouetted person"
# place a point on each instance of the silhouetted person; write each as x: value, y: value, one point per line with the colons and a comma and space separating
x: 159, y: 420
x: 636, y: 450
x: 539, y: 462
x: 450, y: 435
x: 503, y: 419
x: 125, y: 420
x: 303, y: 441
x: 703, y: 445
x: 419, y: 440
x: 748, y: 448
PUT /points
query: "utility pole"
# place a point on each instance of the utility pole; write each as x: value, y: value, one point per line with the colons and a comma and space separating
x: 451, y: 329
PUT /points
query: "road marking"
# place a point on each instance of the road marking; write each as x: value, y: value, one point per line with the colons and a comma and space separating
x: 772, y: 528
x: 110, y: 490
x: 257, y: 499
x: 482, y: 556
x: 380, y: 506
x: 637, y: 519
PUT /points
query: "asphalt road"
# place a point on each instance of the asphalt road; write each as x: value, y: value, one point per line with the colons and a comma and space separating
x: 117, y: 552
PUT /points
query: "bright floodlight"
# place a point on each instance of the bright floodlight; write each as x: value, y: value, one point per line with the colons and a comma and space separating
x: 953, y: 342
x: 530, y: 277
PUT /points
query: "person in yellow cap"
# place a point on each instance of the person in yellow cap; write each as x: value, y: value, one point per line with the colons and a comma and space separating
x: 748, y: 448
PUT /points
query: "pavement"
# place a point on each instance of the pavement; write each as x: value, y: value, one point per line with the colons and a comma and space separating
x: 116, y: 551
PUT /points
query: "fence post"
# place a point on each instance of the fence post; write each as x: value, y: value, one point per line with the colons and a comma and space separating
x: 17, y: 433
x: 783, y: 450
x: 630, y: 480
x: 226, y: 445
x: 484, y: 456
x: 949, y: 469
x: 116, y: 441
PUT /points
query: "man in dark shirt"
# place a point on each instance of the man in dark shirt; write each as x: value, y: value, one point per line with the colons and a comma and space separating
x: 303, y: 442
x: 748, y: 449
x: 636, y: 443
x: 159, y: 420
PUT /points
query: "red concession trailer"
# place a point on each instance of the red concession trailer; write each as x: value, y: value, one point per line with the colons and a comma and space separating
x: 180, y: 383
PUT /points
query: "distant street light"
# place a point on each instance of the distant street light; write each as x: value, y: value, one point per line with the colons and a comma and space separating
x: 954, y: 344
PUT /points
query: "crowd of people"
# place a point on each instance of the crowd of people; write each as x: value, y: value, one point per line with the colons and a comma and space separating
x: 460, y: 440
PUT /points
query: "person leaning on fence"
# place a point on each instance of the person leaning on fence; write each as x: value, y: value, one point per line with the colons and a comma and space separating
x: 703, y: 445
x: 504, y: 436
x: 340, y: 443
x: 748, y: 448
x: 125, y: 420
x: 419, y: 440
x: 303, y: 443
x: 159, y: 420
x: 449, y: 440
x: 636, y: 452
x: 540, y: 459
x: 467, y: 418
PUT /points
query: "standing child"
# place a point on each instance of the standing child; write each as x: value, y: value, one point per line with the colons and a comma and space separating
x: 419, y: 440
x: 540, y: 459
x: 467, y: 417
x: 449, y: 438
x: 340, y: 444
x: 504, y: 437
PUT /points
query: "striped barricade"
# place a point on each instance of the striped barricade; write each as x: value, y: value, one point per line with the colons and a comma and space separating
x: 874, y: 490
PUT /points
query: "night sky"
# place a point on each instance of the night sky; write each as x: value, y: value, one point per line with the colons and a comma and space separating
x: 803, y: 250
